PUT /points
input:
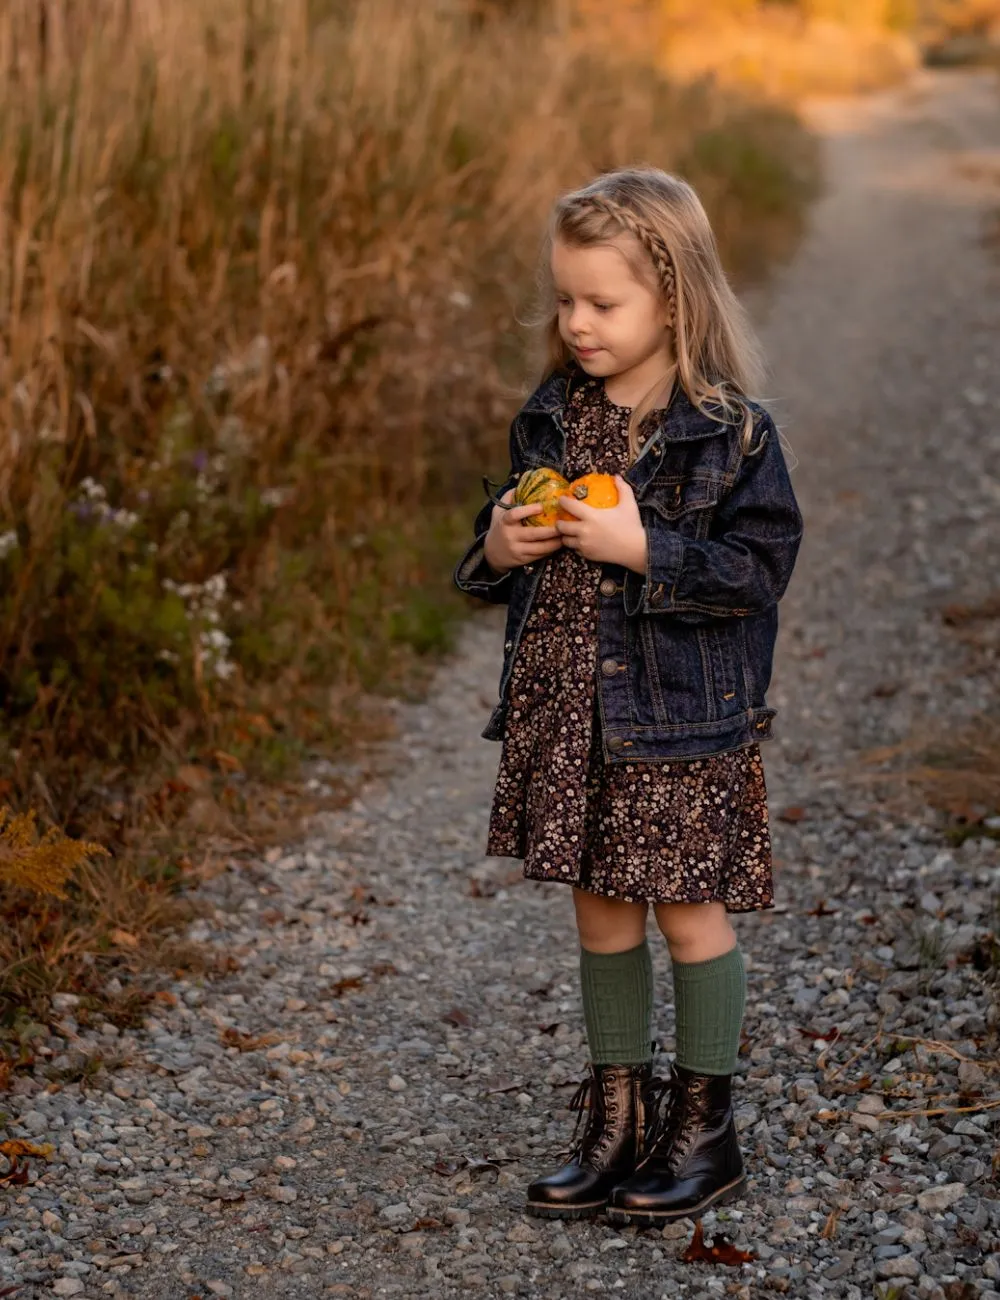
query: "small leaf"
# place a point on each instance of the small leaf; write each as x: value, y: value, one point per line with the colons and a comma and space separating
x: 457, y: 1017
x: 719, y: 1251
x: 793, y: 814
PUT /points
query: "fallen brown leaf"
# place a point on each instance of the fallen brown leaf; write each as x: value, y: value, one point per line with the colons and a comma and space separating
x: 338, y: 989
x: 719, y: 1251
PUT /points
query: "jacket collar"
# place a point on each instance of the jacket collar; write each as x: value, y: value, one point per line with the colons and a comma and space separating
x: 679, y: 421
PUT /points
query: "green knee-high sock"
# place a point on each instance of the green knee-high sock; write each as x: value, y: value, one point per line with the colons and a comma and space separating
x: 710, y: 997
x: 618, y: 1004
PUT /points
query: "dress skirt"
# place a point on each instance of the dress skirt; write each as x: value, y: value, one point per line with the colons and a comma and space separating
x: 690, y: 831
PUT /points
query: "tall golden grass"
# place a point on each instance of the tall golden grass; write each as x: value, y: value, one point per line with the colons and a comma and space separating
x: 260, y: 264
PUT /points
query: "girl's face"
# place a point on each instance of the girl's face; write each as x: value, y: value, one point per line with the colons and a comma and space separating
x: 614, y: 323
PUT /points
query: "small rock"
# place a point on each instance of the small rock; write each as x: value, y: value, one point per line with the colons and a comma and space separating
x: 522, y: 1232
x: 397, y: 1083
x: 220, y: 1288
x: 934, y: 1200
x: 67, y: 1286
x: 842, y: 1266
x: 286, y: 1195
x: 945, y: 1146
x: 903, y: 1266
x: 803, y: 1088
x: 971, y: 1075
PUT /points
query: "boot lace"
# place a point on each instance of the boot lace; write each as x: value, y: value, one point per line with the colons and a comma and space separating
x: 596, y: 1134
x: 668, y: 1136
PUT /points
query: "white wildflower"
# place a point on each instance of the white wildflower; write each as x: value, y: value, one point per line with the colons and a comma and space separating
x: 8, y: 543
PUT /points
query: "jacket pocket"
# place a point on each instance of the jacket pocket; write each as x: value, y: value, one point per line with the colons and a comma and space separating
x: 687, y: 673
x: 687, y: 505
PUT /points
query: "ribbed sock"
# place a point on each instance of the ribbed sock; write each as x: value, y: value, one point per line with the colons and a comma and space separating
x: 618, y: 1004
x: 710, y: 997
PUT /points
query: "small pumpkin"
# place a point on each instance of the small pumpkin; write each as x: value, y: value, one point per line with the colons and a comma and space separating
x: 541, y: 487
x: 598, y: 490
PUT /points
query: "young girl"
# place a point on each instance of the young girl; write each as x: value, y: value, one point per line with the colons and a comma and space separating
x: 638, y: 653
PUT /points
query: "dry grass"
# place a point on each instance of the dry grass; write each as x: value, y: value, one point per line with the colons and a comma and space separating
x: 259, y: 264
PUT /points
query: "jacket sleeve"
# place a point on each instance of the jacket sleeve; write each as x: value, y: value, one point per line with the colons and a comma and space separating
x: 472, y: 573
x: 745, y: 567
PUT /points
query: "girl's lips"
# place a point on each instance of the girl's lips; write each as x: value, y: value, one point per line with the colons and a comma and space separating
x: 587, y: 352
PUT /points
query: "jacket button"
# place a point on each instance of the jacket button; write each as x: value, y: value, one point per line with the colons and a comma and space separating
x: 528, y: 568
x: 508, y: 645
x: 609, y: 587
x: 609, y: 667
x: 615, y: 743
x: 657, y: 597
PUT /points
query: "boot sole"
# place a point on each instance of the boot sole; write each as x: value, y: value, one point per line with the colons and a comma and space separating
x: 542, y: 1210
x: 653, y: 1218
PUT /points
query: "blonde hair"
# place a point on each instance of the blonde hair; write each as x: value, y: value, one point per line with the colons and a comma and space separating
x: 718, y: 359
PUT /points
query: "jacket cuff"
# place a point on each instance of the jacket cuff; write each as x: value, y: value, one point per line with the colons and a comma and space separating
x: 652, y: 592
x: 474, y: 576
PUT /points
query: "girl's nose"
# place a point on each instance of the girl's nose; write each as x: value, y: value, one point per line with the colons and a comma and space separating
x: 577, y: 321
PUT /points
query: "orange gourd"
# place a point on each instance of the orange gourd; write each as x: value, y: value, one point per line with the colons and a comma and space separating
x: 598, y: 490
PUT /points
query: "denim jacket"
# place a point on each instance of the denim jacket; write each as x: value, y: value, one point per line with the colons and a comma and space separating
x: 685, y: 649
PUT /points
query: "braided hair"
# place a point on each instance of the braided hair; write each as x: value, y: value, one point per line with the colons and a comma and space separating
x: 653, y: 243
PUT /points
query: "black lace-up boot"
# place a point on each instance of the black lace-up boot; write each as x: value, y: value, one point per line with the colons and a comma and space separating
x: 692, y: 1160
x: 611, y: 1145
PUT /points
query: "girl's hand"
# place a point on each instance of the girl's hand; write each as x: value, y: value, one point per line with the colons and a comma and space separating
x: 509, y: 543
x: 614, y: 535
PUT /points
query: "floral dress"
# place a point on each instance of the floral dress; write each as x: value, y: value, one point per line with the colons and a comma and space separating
x: 690, y: 831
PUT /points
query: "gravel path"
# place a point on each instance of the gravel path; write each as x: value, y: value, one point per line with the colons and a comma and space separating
x: 418, y: 1003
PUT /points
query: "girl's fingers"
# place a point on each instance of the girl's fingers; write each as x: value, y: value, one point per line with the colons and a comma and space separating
x: 523, y: 512
x: 573, y: 507
x: 536, y: 532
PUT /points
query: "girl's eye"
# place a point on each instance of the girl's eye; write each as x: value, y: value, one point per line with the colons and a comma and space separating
x: 603, y: 306
x: 563, y: 302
